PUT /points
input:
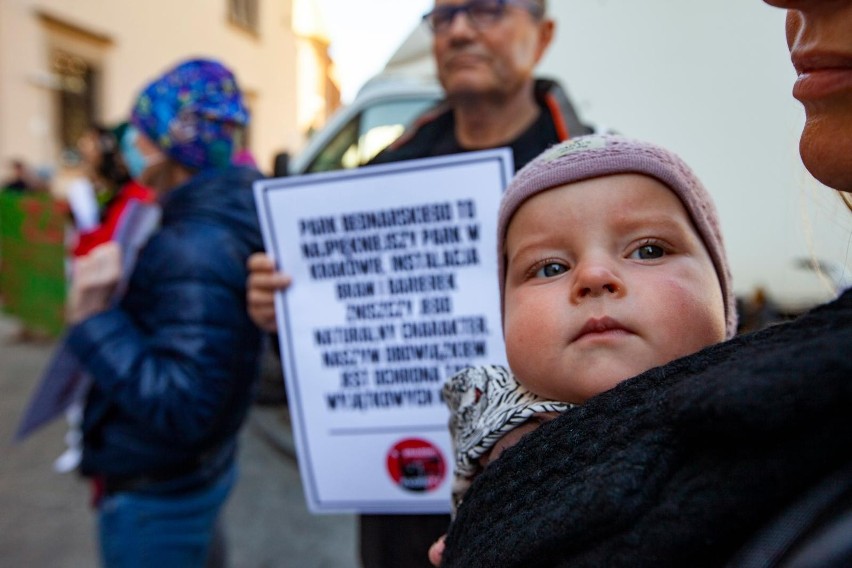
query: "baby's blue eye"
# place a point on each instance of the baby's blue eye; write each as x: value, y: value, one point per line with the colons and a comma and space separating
x: 550, y: 270
x: 648, y: 252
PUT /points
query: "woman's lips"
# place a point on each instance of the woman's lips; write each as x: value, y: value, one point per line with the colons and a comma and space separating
x: 821, y: 75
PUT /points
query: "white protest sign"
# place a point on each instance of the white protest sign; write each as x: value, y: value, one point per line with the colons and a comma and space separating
x: 394, y: 290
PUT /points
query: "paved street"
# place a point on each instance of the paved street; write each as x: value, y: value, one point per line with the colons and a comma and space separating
x: 45, y: 520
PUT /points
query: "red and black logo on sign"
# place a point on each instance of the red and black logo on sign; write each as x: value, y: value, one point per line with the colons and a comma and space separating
x: 416, y: 465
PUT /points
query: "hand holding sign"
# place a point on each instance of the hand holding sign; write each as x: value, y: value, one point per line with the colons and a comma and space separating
x: 263, y: 283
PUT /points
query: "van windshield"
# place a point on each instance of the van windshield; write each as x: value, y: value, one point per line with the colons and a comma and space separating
x: 370, y: 132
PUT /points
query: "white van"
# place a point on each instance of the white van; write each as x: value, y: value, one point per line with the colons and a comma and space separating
x: 385, y: 106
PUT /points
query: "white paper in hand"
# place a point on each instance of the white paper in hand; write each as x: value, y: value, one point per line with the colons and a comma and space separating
x: 83, y: 204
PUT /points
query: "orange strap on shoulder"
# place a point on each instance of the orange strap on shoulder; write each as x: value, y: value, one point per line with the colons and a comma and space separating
x: 558, y: 119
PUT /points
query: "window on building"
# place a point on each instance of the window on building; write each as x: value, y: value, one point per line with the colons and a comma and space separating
x: 75, y: 56
x: 245, y: 14
x: 76, y: 102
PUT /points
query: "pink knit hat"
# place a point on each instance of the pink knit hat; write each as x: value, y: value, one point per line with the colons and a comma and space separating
x: 594, y: 156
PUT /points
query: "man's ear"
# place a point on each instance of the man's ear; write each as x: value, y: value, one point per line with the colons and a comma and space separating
x: 547, y: 29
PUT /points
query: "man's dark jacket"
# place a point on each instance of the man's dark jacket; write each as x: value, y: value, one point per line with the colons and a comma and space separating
x: 433, y: 133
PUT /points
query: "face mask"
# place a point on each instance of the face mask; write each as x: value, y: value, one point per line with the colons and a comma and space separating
x: 136, y: 161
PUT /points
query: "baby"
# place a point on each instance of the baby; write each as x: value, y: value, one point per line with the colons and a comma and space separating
x: 611, y: 262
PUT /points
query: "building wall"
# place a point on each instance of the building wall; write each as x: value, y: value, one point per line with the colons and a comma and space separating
x: 318, y: 94
x: 132, y: 41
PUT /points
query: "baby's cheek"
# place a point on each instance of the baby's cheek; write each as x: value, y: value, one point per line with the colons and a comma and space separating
x: 695, y: 313
x: 514, y: 326
x: 523, y: 318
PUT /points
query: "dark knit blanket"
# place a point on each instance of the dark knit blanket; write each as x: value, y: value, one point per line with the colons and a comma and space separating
x: 676, y: 467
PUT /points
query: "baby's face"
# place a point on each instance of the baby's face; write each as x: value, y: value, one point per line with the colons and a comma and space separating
x: 605, y: 278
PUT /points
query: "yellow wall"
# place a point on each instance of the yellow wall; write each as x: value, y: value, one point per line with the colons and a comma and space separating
x: 132, y: 41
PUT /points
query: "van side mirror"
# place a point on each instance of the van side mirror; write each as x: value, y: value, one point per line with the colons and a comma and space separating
x: 281, y: 165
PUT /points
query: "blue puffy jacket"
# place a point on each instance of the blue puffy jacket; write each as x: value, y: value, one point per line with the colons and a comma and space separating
x: 174, y: 364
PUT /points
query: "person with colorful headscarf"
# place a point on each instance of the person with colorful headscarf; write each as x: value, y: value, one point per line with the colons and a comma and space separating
x: 173, y: 362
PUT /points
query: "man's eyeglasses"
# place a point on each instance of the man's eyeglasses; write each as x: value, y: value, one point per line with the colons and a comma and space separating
x: 480, y: 13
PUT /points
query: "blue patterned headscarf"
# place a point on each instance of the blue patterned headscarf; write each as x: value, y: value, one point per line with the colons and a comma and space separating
x: 192, y: 113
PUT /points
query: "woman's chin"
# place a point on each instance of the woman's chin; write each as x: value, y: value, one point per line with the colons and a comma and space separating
x: 826, y: 151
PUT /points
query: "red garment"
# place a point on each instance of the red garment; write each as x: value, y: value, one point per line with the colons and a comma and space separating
x: 105, y: 231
